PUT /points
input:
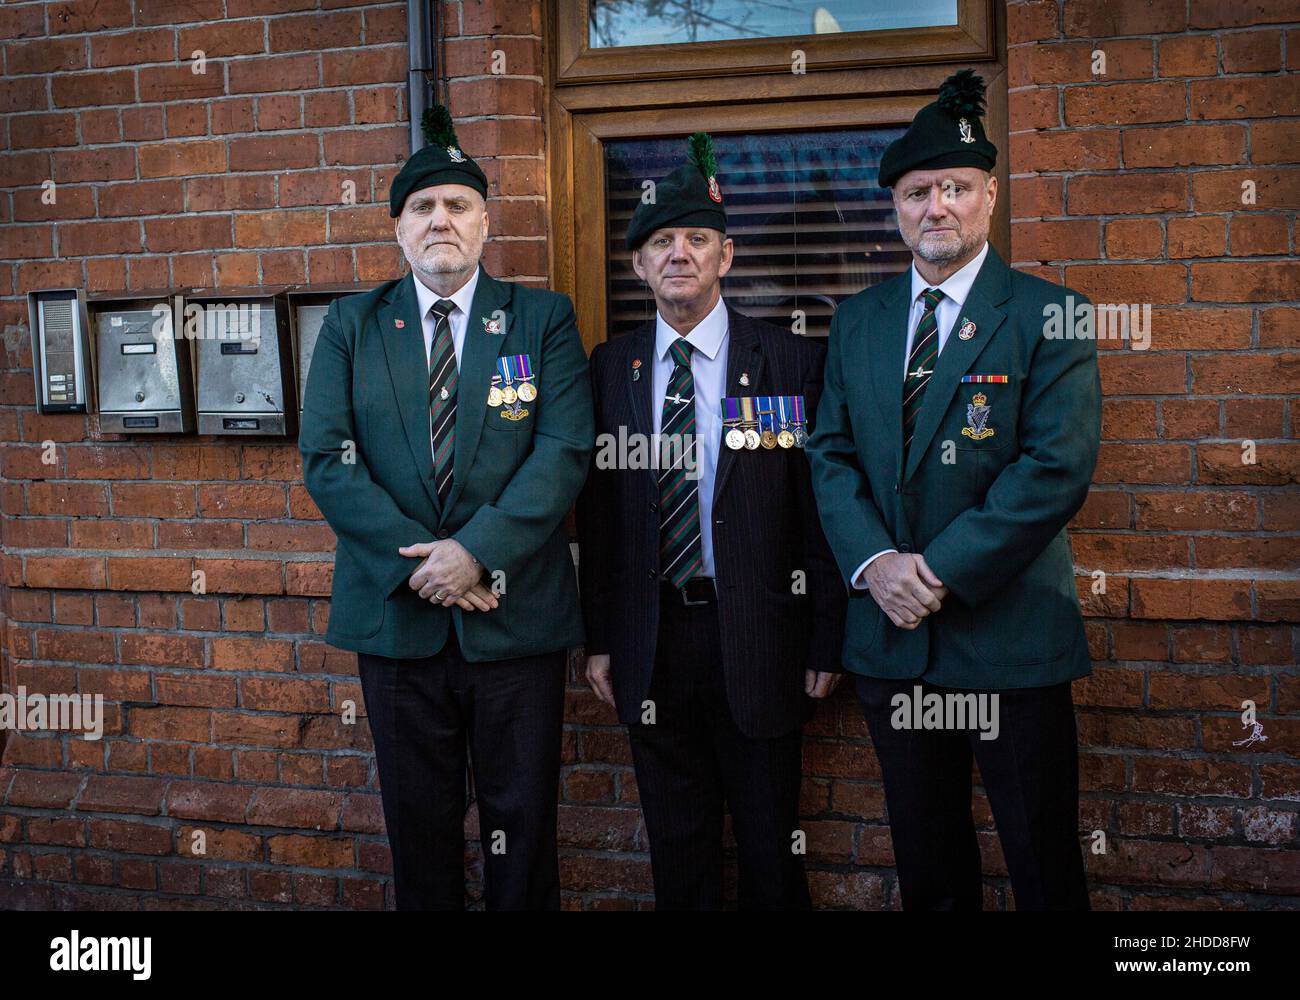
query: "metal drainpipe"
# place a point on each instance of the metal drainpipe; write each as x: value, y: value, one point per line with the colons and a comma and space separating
x: 422, y: 62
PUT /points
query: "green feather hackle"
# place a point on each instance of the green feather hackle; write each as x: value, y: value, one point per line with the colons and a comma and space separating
x: 437, y: 127
x: 701, y: 154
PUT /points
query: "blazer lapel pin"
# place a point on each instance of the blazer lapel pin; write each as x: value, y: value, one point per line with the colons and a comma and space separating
x: 967, y: 330
x: 636, y: 369
x: 399, y: 323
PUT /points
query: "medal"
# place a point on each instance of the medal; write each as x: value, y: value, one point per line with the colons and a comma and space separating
x: 767, y: 436
x: 796, y: 408
x: 527, y: 391
x: 508, y: 396
x: 734, y: 437
x: 752, y: 439
x: 494, y: 394
x: 784, y: 438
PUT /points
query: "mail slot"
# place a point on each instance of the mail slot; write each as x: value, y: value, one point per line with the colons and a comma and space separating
x: 307, y: 309
x: 245, y: 361
x: 145, y: 370
x: 61, y: 350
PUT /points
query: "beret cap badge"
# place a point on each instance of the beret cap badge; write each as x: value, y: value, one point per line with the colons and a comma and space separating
x: 945, y: 133
x: 441, y: 161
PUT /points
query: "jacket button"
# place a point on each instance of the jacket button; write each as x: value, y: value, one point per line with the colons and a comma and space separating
x: 443, y: 533
x: 904, y: 547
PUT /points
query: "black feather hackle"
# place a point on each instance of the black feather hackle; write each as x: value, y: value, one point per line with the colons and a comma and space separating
x: 963, y: 94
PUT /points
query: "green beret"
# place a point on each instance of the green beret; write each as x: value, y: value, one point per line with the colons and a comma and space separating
x: 440, y: 162
x: 946, y: 133
x: 689, y: 196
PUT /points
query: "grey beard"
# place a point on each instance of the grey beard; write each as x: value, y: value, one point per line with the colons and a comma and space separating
x: 939, y: 254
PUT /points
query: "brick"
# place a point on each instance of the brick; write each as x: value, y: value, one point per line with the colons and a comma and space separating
x: 1244, y: 97
x: 1264, y: 373
x: 1188, y: 55
x: 148, y: 574
x: 252, y: 654
x: 1129, y: 283
x: 1274, y: 189
x: 1143, y: 374
x: 1274, y: 142
x: 1134, y: 194
x: 240, y: 576
x: 1198, y: 236
x: 196, y: 690
x: 1191, y: 599
x: 1225, y: 14
x: 192, y: 725
x: 182, y: 159
x: 1184, y: 511
x: 1185, y: 145
x: 1259, y: 234
x: 1126, y: 103
x: 1101, y: 18
x: 1253, y: 281
x: 1133, y: 238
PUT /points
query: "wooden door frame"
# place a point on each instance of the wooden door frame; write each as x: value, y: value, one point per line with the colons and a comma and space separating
x: 580, y: 117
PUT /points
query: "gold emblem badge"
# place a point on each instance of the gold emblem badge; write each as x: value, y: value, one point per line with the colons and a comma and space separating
x: 977, y: 418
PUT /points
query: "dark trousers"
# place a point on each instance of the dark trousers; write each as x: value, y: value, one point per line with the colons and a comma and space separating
x: 424, y: 715
x: 1030, y: 774
x: 692, y: 760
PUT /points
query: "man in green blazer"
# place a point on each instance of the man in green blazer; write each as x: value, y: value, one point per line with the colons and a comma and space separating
x: 956, y: 437
x: 447, y: 428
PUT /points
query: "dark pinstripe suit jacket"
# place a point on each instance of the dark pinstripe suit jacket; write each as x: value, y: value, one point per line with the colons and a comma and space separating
x: 765, y: 530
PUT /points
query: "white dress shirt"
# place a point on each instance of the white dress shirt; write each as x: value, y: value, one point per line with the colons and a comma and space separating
x: 955, y: 290
x: 458, y: 318
x: 709, y: 371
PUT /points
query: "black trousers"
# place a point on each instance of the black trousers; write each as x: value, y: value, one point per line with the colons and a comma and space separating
x: 692, y: 759
x: 1030, y: 774
x: 424, y: 715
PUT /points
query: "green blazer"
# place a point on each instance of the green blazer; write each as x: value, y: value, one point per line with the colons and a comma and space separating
x: 988, y: 512
x: 368, y: 464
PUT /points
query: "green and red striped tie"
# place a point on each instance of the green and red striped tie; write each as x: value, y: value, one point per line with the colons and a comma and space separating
x: 680, y: 552
x: 442, y: 395
x: 920, y: 365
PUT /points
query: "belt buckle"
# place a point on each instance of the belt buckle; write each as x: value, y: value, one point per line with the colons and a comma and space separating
x: 684, y: 590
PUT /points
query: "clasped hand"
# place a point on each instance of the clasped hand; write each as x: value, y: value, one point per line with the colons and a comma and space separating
x: 449, y: 575
x: 905, y: 587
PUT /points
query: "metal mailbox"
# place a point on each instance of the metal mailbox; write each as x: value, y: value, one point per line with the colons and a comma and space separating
x: 62, y: 359
x: 245, y: 361
x: 145, y: 380
x: 307, y: 309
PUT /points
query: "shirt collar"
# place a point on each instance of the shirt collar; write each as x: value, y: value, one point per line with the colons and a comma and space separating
x: 958, y: 284
x: 706, y: 338
x: 463, y: 296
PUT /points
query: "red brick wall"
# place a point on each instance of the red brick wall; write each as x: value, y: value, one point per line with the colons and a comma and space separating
x: 1128, y: 187
x: 225, y: 706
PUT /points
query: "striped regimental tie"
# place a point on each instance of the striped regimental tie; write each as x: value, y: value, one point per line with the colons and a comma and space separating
x: 442, y: 395
x: 920, y: 365
x: 680, y: 550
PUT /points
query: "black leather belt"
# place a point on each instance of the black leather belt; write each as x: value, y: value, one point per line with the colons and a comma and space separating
x: 695, y: 592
